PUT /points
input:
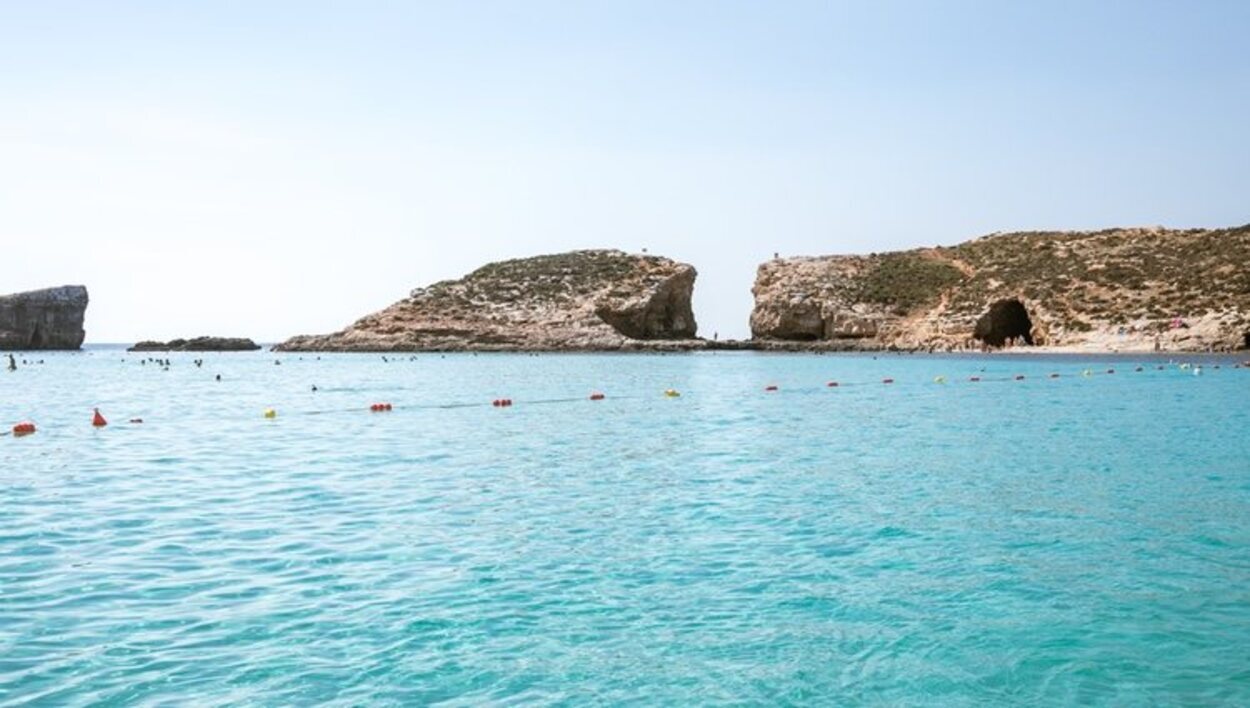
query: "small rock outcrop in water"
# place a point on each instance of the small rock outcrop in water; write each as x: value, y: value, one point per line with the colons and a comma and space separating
x: 43, y: 319
x: 1138, y: 289
x: 583, y: 300
x: 198, y: 344
x: 1006, y: 320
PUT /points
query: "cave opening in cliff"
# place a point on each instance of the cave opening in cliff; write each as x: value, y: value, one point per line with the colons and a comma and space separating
x: 1245, y: 341
x: 1005, y: 321
x: 36, y: 338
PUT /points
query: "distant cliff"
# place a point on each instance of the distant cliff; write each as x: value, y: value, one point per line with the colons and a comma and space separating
x: 1119, y: 289
x: 583, y: 300
x: 43, y: 319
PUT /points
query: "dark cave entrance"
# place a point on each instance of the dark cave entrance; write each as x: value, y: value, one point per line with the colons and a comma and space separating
x: 1005, y: 321
x: 36, y: 338
x: 1245, y: 341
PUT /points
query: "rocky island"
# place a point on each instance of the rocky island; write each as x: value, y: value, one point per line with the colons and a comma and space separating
x: 198, y: 344
x: 1138, y: 289
x: 43, y: 319
x: 595, y: 300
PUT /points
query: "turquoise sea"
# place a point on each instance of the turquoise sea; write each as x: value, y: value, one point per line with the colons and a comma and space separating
x: 1084, y: 539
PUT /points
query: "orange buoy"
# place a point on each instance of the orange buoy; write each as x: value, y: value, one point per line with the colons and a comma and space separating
x: 887, y: 381
x: 24, y: 428
x: 596, y: 396
x: 770, y: 387
x: 98, y: 420
x: 380, y: 407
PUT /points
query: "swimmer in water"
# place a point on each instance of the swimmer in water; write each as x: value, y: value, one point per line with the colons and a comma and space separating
x: 12, y: 363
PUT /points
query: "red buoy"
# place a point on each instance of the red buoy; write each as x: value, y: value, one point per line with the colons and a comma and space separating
x: 98, y: 420
x: 596, y: 396
x: 832, y: 384
x: 23, y: 428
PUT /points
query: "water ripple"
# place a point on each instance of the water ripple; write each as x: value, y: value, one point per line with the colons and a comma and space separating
x: 1045, y: 541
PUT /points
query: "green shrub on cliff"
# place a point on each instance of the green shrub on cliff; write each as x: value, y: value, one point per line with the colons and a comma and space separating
x: 906, y: 280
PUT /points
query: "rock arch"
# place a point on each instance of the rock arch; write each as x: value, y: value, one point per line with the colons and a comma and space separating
x: 1005, y: 320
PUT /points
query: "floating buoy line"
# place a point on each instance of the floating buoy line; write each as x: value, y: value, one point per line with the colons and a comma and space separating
x: 26, y: 427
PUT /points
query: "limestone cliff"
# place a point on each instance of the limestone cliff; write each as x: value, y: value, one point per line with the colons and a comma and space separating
x: 43, y: 319
x: 583, y: 300
x: 1135, y: 289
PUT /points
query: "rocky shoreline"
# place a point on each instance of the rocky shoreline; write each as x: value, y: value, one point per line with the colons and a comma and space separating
x: 1128, y: 290
x: 1136, y: 290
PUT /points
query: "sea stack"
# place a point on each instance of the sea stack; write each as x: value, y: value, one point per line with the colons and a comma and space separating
x: 596, y: 300
x: 43, y: 319
x: 1128, y: 289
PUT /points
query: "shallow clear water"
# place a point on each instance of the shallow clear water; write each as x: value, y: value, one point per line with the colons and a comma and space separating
x: 1082, y: 539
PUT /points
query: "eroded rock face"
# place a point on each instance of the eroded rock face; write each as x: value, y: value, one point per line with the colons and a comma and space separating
x: 583, y: 300
x: 43, y: 319
x: 850, y: 302
x: 1116, y: 289
x: 1006, y: 320
x: 198, y: 344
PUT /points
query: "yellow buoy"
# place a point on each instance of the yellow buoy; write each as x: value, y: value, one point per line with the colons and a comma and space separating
x: 271, y: 413
x: 672, y: 393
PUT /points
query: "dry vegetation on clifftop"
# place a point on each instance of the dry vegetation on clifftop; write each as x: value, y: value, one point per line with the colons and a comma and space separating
x: 582, y: 300
x: 1110, y: 289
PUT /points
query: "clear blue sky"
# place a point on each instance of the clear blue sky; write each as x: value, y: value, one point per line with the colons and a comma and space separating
x: 264, y: 168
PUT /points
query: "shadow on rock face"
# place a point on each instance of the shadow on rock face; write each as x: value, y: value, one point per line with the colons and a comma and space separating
x: 1006, y: 319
